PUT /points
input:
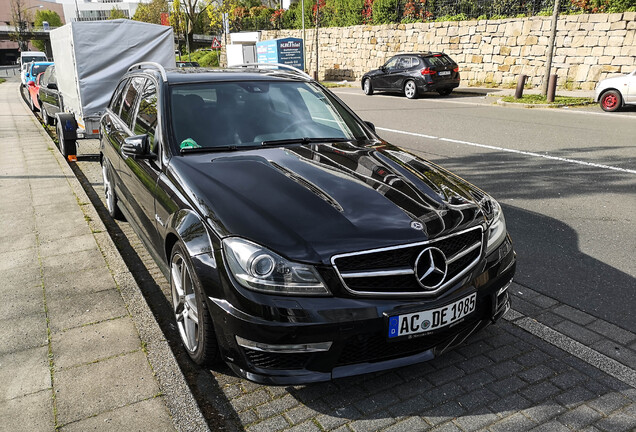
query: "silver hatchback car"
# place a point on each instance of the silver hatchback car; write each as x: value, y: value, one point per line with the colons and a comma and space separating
x: 616, y: 92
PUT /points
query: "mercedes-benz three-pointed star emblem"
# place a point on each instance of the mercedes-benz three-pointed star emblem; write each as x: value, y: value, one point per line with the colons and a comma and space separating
x: 431, y: 268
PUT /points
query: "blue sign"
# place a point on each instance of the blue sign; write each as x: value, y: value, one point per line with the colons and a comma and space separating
x: 287, y: 51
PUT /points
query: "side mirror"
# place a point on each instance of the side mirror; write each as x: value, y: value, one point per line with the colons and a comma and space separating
x: 52, y: 86
x: 371, y: 125
x: 137, y: 146
x: 383, y: 68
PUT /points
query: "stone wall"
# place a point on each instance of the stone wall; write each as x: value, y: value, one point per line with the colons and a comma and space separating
x: 588, y: 48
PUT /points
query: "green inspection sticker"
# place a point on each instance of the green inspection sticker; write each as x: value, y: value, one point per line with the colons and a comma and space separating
x: 189, y: 143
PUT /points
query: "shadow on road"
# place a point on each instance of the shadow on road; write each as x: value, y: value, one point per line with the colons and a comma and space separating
x: 550, y: 259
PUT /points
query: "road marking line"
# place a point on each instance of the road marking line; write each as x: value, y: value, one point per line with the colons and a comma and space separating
x: 521, y: 152
x: 577, y: 349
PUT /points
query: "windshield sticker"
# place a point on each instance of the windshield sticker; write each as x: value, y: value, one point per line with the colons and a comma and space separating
x: 189, y: 143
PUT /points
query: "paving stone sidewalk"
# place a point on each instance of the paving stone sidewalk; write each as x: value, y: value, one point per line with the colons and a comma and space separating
x: 71, y: 354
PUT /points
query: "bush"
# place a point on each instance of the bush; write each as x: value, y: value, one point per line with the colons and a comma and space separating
x: 204, y: 58
x: 385, y: 11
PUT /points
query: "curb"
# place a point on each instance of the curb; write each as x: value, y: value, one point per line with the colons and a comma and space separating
x: 183, y: 408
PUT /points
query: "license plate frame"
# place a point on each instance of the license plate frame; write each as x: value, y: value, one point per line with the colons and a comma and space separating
x: 444, y: 73
x: 431, y: 320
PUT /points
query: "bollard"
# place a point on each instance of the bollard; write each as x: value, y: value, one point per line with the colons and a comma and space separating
x: 551, y: 88
x: 521, y: 82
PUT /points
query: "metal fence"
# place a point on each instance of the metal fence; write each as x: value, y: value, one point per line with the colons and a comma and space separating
x: 8, y: 70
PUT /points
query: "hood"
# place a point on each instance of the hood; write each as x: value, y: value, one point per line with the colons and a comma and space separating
x: 309, y: 202
x: 617, y: 82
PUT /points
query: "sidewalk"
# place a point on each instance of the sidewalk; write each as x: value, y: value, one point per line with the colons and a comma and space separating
x: 79, y: 348
x: 491, y: 91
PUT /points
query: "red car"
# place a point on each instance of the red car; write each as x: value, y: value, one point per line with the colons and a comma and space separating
x: 34, y: 87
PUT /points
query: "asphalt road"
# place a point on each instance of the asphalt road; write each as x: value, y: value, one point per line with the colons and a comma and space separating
x: 566, y: 179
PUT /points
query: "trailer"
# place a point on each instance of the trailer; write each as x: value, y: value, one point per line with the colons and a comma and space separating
x: 90, y: 57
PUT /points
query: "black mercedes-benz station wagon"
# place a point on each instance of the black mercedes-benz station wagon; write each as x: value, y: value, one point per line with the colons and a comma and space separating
x: 299, y: 245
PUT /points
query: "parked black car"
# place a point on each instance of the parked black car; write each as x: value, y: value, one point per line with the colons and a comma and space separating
x: 183, y: 64
x: 414, y: 74
x: 49, y: 96
x: 299, y: 245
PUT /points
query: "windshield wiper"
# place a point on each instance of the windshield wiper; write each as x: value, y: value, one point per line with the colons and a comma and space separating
x: 304, y: 140
x: 213, y: 149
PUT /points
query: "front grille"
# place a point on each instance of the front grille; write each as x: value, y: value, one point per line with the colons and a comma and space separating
x: 266, y: 360
x: 390, y: 271
x: 376, y: 347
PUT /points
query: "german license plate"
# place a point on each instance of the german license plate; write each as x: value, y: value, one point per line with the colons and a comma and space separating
x: 430, y: 320
x: 442, y: 73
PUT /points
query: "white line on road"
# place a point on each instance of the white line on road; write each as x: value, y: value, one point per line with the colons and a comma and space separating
x: 503, y: 149
x: 577, y: 349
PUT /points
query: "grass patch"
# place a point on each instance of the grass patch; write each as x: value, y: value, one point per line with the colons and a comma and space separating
x: 541, y: 100
x: 2, y: 80
x: 332, y: 84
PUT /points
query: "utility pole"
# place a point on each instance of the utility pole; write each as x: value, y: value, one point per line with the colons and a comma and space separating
x: 317, y: 18
x: 548, y: 62
x: 302, y: 7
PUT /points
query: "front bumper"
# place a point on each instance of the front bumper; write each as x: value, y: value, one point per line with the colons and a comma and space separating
x: 283, y: 342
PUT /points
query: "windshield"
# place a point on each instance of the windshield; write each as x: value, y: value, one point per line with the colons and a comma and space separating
x: 243, y: 114
x: 38, y: 68
x: 29, y: 59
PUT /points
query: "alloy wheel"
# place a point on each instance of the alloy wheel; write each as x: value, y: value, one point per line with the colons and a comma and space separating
x: 184, y: 302
x: 410, y: 90
x: 108, y: 190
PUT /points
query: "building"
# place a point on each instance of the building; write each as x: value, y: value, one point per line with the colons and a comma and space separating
x: 96, y: 10
x: 9, y: 52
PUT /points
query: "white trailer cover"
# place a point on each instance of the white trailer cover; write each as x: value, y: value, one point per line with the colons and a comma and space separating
x: 91, y: 56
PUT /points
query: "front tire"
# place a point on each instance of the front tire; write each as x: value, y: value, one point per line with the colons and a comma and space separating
x: 611, y: 101
x: 46, y: 118
x: 190, y: 311
x: 367, y: 87
x: 410, y: 89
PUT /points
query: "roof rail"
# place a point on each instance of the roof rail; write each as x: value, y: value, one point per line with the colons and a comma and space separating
x: 155, y: 65
x: 265, y: 65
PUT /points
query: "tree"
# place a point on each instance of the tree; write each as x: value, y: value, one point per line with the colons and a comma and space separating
x: 151, y: 12
x: 50, y: 17
x: 216, y: 11
x: 20, y: 17
x: 177, y: 21
x: 116, y: 13
x: 193, y: 10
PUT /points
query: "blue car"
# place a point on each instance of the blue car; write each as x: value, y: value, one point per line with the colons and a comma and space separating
x: 33, y: 70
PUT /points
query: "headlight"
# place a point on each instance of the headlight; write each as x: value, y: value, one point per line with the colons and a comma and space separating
x: 496, y: 225
x: 260, y: 269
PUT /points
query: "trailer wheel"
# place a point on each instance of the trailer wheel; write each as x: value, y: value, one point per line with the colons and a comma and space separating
x: 66, y: 134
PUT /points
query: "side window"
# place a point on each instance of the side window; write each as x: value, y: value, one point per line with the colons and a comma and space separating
x: 115, y: 102
x: 391, y: 64
x: 146, y: 120
x: 51, y: 79
x: 44, y: 79
x: 128, y: 103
